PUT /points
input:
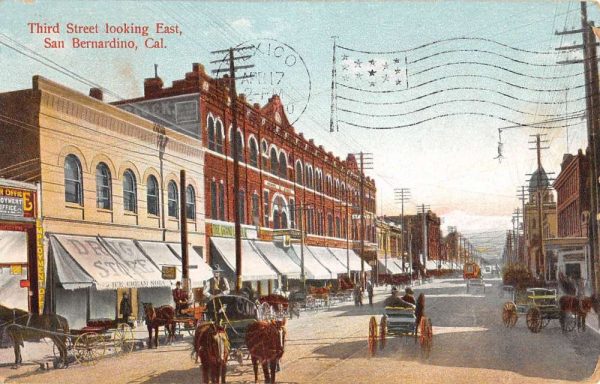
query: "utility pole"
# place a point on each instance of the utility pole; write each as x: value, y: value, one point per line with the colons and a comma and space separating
x: 590, y: 64
x: 364, y: 157
x: 516, y: 217
x: 236, y: 171
x: 521, y: 196
x: 541, y: 266
x: 184, y: 232
x: 402, y: 195
x: 424, y: 237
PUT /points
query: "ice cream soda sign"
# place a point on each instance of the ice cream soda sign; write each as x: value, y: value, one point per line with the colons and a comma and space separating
x: 17, y: 203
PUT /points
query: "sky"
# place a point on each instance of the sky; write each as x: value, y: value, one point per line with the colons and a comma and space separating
x: 454, y: 94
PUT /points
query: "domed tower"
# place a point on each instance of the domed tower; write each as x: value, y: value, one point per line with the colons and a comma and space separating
x: 539, y: 181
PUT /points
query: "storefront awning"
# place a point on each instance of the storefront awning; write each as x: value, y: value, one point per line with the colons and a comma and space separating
x: 279, y: 259
x: 312, y: 268
x: 254, y: 267
x: 199, y: 270
x: 112, y: 263
x: 70, y: 275
x: 342, y: 255
x: 392, y: 267
x: 13, y: 247
x: 328, y: 260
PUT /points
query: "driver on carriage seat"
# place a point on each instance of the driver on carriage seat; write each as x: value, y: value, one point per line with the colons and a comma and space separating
x: 180, y: 296
x: 395, y: 301
x: 216, y: 285
x: 408, y: 296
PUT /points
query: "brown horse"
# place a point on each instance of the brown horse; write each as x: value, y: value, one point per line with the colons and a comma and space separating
x: 578, y: 307
x: 22, y: 326
x: 211, y: 344
x: 266, y: 342
x: 156, y: 317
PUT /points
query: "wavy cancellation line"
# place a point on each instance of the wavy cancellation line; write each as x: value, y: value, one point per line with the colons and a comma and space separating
x: 449, y: 51
x: 439, y: 91
x: 516, y: 123
x: 464, y: 38
x: 462, y: 76
x: 477, y: 63
x: 480, y: 101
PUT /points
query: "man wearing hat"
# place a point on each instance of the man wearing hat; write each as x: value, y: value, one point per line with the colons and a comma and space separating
x: 396, y: 301
x: 216, y: 285
x: 180, y: 296
x: 408, y: 296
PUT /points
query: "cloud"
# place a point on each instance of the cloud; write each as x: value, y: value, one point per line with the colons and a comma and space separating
x: 242, y: 23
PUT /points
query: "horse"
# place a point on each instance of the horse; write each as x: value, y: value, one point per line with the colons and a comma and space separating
x: 578, y: 307
x: 156, y: 317
x: 22, y: 326
x: 419, y: 310
x: 211, y: 344
x: 266, y: 343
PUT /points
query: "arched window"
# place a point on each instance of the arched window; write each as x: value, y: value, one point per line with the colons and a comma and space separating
x: 73, y: 180
x: 309, y: 177
x: 240, y: 144
x: 219, y: 137
x: 299, y: 172
x: 103, y: 187
x: 152, y: 195
x: 213, y: 200
x: 279, y: 213
x: 329, y: 226
x: 173, y: 199
x: 338, y: 229
x: 282, y: 166
x: 274, y: 163
x: 318, y: 180
x: 190, y: 203
x: 328, y: 187
x: 129, y: 192
x: 253, y: 152
x: 211, y: 133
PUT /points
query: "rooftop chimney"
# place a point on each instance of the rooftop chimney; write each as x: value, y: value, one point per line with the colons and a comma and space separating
x: 96, y: 93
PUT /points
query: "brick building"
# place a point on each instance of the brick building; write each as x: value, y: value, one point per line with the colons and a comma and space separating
x: 571, y: 247
x: 283, y: 176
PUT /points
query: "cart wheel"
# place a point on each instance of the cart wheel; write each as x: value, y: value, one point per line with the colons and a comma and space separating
x: 89, y: 348
x: 68, y: 345
x: 570, y: 322
x: 372, y: 336
x: 534, y: 320
x: 425, y: 336
x: 382, y: 332
x: 123, y: 340
x: 509, y: 314
x: 545, y: 322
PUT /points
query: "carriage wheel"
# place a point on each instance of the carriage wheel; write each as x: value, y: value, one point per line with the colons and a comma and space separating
x: 570, y: 322
x: 372, y: 336
x: 534, y: 320
x: 68, y: 345
x: 425, y: 336
x: 509, y: 314
x: 545, y: 322
x: 382, y: 332
x: 89, y: 348
x: 123, y: 340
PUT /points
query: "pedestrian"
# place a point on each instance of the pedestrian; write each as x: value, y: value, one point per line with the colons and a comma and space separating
x: 357, y: 294
x: 180, y: 296
x: 370, y: 292
x: 125, y: 308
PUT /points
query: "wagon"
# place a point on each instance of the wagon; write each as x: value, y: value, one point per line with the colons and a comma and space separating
x: 278, y: 306
x: 235, y: 313
x: 401, y: 321
x: 472, y: 275
x: 188, y: 320
x: 97, y: 338
x: 539, y: 305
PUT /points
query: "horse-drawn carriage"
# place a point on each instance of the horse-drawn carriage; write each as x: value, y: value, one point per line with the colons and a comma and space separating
x: 539, y: 305
x: 278, y: 306
x: 86, y: 345
x: 472, y: 275
x: 402, y: 321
